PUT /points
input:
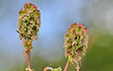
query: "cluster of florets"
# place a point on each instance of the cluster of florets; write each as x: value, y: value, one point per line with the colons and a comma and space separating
x: 76, y: 40
x: 28, y: 24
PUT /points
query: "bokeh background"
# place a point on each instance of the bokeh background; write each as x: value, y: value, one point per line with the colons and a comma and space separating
x: 56, y: 16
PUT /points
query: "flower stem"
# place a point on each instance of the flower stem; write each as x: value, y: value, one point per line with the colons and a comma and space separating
x: 66, y: 65
x: 28, y: 58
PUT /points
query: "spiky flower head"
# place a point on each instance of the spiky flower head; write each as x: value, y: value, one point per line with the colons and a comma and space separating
x: 28, y: 24
x: 76, y: 41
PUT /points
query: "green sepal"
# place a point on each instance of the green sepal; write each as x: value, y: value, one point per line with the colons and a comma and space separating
x: 32, y: 9
x: 37, y: 14
x: 73, y: 47
x: 79, y: 29
x: 72, y: 26
x: 79, y: 46
x: 71, y: 60
x: 83, y: 37
x: 70, y: 46
x: 26, y: 50
x: 81, y: 49
x: 31, y: 47
x: 31, y: 32
x: 20, y: 27
x: 67, y: 35
x: 72, y: 55
x: 67, y: 41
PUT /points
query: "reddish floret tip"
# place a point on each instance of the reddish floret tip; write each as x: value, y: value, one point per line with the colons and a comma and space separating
x: 83, y: 24
x: 20, y: 11
x: 75, y: 23
x: 80, y: 26
x: 38, y: 10
x: 25, y: 4
x: 35, y: 7
x: 86, y: 29
x: 83, y: 31
x: 25, y: 8
x: 71, y: 29
x: 71, y: 25
x: 68, y: 28
x: 30, y: 3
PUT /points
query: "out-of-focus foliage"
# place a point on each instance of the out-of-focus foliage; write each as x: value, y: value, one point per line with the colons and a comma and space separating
x: 56, y: 16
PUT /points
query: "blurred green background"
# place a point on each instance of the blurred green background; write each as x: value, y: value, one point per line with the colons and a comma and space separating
x: 56, y: 16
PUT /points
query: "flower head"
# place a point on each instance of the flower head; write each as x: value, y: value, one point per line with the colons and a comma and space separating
x: 76, y: 40
x: 28, y: 24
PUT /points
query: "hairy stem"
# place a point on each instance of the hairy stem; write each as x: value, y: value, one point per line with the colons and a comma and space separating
x: 28, y: 58
x: 66, y: 65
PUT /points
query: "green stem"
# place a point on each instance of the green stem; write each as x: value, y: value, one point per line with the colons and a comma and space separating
x: 66, y: 65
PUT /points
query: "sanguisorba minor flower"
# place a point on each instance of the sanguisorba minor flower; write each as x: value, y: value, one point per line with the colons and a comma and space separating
x: 76, y: 41
x: 28, y: 25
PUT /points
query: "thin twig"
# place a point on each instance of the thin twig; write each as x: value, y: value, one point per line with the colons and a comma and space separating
x: 66, y: 65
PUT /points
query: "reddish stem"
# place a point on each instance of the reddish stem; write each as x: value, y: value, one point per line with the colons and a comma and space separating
x: 66, y: 65
x: 28, y: 58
